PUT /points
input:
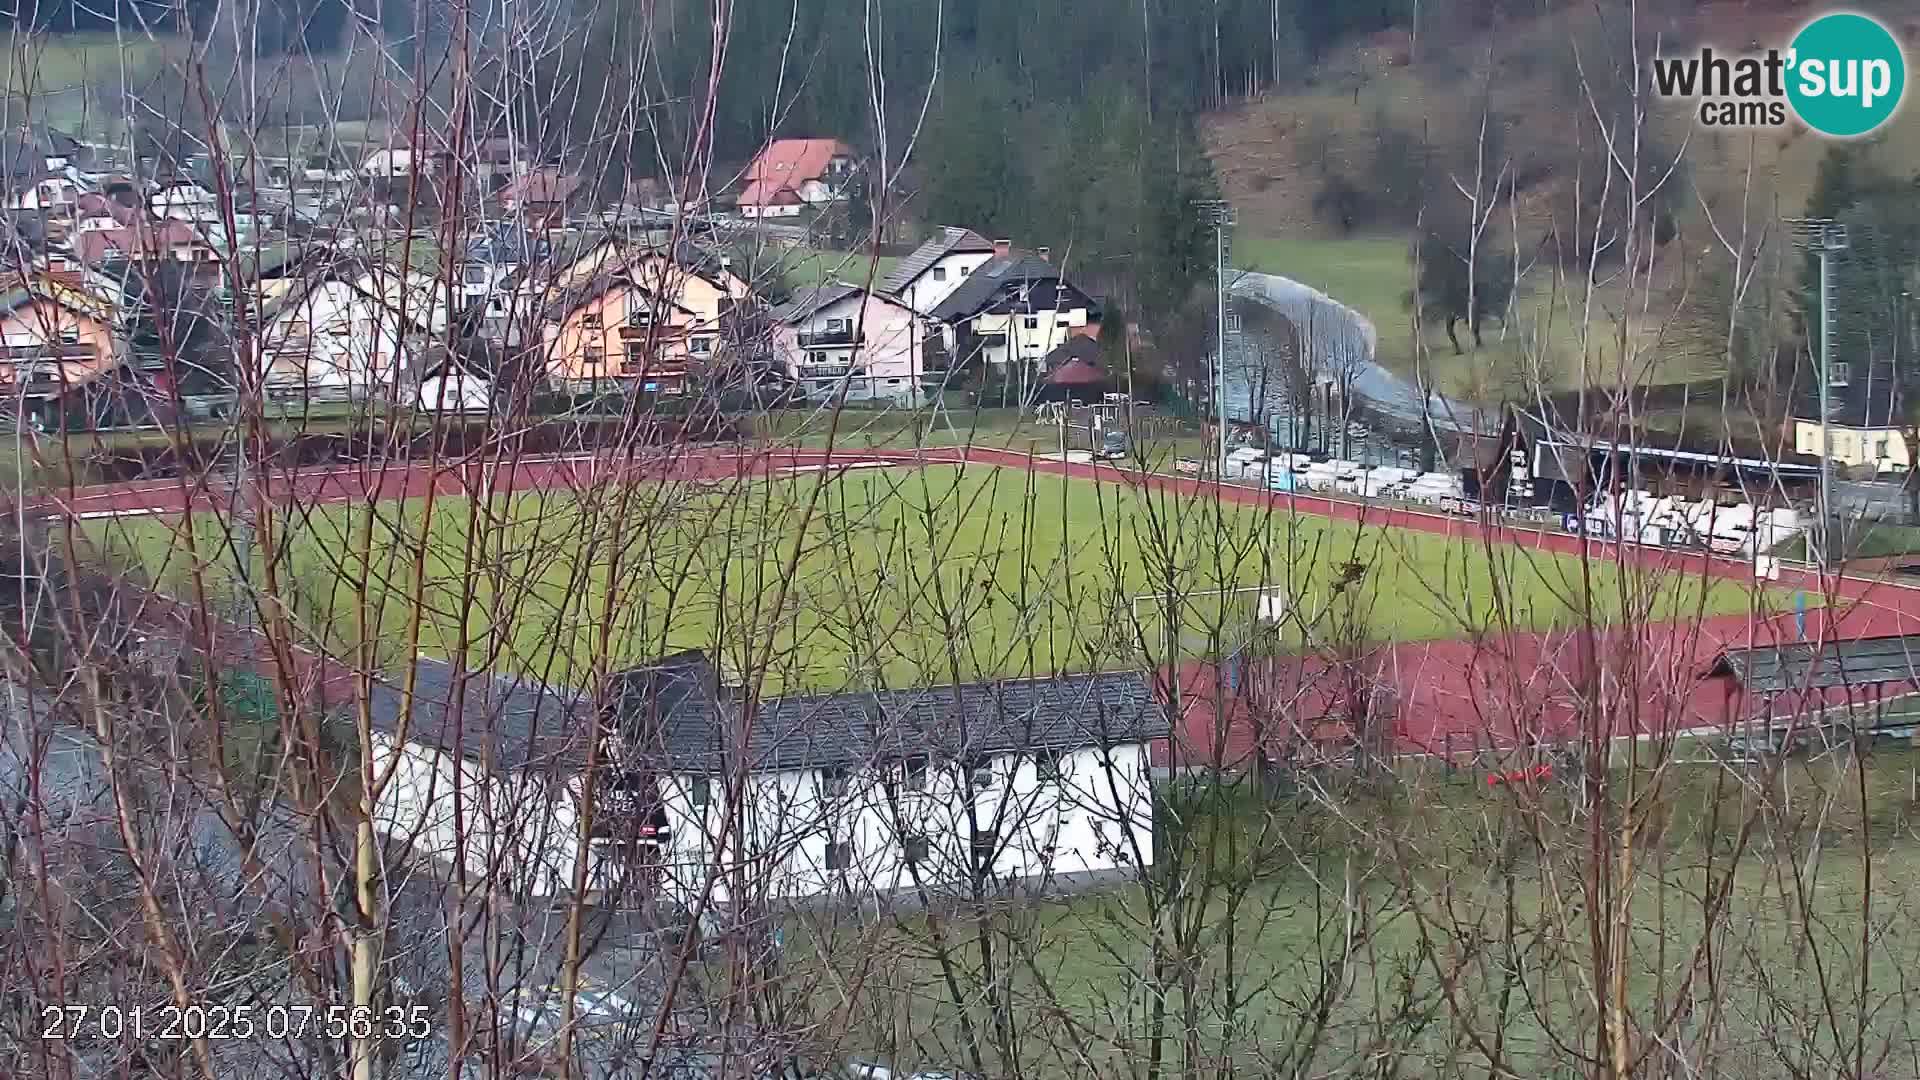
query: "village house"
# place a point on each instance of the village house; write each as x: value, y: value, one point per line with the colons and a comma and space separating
x: 57, y: 341
x: 925, y: 278
x: 838, y: 339
x: 498, y: 161
x: 1864, y: 417
x: 792, y: 175
x: 620, y: 311
x: 346, y: 330
x: 31, y: 150
x: 542, y: 197
x: 615, y: 331
x: 456, y: 380
x: 184, y: 200
x: 147, y: 243
x: 1014, y: 308
x: 992, y: 785
x: 388, y: 163
x: 49, y: 194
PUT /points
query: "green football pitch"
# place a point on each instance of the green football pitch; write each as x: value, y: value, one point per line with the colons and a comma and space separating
x: 885, y: 576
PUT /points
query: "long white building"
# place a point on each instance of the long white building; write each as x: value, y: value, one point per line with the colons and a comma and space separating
x: 947, y: 791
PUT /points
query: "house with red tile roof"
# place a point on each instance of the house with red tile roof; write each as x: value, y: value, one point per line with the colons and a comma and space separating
x: 791, y: 175
x: 543, y: 195
x: 147, y: 243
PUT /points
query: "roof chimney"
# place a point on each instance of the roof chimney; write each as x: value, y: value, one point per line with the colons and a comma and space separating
x: 1045, y: 253
x: 1002, y: 247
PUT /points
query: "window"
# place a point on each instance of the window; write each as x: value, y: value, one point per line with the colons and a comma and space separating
x: 701, y: 346
x: 1880, y: 449
x: 914, y: 774
x: 590, y: 321
x: 914, y: 848
x: 1033, y: 323
x: 965, y: 270
x: 980, y: 773
x: 1839, y: 373
x: 839, y: 854
x: 837, y: 326
x: 1046, y: 766
x: 939, y: 273
x: 70, y: 335
x: 476, y: 273
x: 701, y: 792
x: 640, y: 317
x: 1064, y: 322
x: 833, y: 781
x: 594, y: 356
x: 985, y: 846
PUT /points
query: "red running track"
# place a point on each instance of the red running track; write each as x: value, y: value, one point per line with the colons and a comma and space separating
x: 355, y: 483
x: 1451, y: 693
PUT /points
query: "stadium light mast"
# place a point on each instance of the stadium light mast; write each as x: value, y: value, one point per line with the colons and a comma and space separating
x: 1825, y: 238
x: 1219, y: 214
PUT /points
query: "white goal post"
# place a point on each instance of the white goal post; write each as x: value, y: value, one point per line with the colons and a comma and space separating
x: 1270, y: 604
x: 1265, y: 605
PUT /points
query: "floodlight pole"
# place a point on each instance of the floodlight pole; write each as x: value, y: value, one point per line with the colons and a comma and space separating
x: 1826, y: 383
x: 1220, y: 214
x: 1827, y: 238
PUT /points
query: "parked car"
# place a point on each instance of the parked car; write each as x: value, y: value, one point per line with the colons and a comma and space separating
x: 1113, y: 447
x: 1187, y: 466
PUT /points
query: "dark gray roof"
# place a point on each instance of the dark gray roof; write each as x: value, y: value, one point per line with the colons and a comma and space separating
x: 1077, y: 347
x: 950, y: 241
x: 806, y: 302
x: 981, y: 285
x: 678, y: 714
x: 532, y: 725
x: 1865, y: 662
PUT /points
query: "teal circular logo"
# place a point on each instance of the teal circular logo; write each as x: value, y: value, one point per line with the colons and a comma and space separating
x: 1846, y: 75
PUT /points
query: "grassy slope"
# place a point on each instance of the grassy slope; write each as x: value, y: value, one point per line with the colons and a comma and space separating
x: 43, y: 77
x: 1266, y: 157
x: 1082, y: 955
x: 803, y: 266
x: 1373, y: 275
x: 1027, y: 567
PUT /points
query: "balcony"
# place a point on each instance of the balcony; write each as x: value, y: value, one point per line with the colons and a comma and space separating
x: 657, y: 335
x: 831, y: 338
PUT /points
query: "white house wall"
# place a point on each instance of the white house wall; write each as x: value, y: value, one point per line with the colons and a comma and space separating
x: 352, y: 341
x: 890, y: 355
x: 515, y: 828
x: 1049, y: 331
x: 925, y: 293
x: 1097, y: 817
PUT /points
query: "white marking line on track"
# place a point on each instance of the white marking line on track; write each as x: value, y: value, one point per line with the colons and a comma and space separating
x: 830, y: 467
x: 138, y: 511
